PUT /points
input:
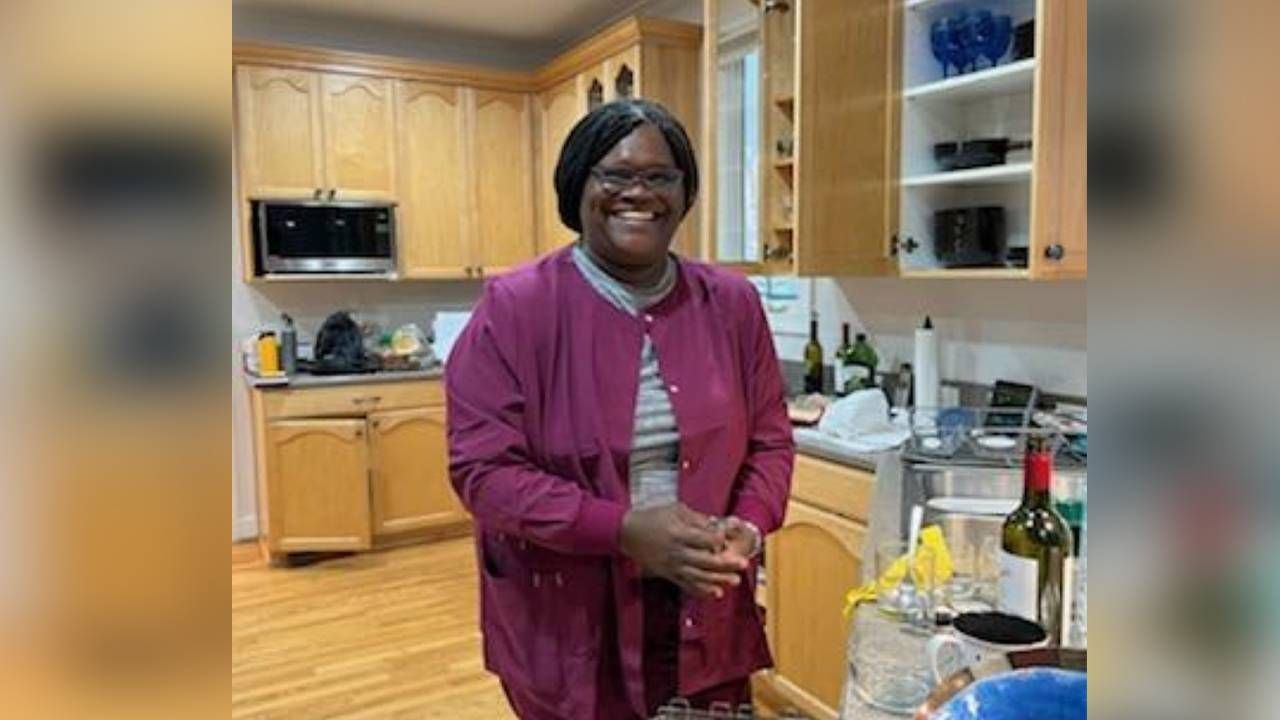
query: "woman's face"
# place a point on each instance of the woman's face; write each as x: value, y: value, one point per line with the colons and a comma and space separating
x: 634, y: 201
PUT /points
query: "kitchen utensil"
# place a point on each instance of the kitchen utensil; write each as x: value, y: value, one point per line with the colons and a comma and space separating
x: 1004, y: 666
x: 978, y: 152
x: 1032, y: 693
x: 976, y: 636
x: 969, y: 236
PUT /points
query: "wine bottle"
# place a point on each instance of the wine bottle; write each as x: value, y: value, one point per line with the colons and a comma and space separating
x: 1035, y: 547
x: 844, y: 363
x: 863, y: 361
x: 813, y: 358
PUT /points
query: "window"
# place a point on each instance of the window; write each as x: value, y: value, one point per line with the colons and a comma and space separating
x: 737, y: 201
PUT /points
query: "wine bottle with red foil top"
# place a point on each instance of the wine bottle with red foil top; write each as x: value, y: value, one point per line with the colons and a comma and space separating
x: 1035, y: 553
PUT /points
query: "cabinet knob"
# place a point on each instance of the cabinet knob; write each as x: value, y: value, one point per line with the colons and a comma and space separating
x: 469, y: 269
x: 1055, y: 251
x: 479, y: 271
x: 893, y: 244
x: 332, y: 193
x: 375, y: 424
x: 910, y: 245
x: 359, y: 432
x: 318, y: 193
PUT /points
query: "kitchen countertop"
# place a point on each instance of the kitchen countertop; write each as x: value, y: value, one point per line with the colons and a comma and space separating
x: 305, y: 380
x: 809, y: 441
x: 812, y: 441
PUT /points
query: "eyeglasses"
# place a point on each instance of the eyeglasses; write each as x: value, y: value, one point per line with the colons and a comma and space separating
x: 615, y: 180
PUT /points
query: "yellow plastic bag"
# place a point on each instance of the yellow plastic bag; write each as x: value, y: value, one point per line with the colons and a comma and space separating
x: 931, y: 538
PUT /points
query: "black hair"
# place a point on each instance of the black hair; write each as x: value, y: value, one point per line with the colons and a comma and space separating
x: 596, y: 134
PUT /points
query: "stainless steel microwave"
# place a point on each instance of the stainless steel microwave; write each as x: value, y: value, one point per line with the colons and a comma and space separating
x: 299, y: 237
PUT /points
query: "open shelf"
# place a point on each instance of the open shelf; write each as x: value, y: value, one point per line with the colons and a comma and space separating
x: 994, y: 175
x: 991, y: 273
x: 1009, y: 79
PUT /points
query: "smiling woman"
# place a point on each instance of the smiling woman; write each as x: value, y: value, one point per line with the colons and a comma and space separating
x: 617, y: 430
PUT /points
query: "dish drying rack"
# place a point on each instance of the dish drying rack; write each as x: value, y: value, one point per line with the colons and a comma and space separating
x: 680, y: 709
x: 987, y: 435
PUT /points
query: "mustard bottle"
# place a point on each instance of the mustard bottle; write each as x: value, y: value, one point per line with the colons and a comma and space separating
x: 268, y: 354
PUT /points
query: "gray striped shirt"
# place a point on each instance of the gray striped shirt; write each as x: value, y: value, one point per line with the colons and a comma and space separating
x: 655, y: 446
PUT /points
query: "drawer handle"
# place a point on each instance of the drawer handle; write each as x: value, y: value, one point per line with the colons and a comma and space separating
x: 363, y: 400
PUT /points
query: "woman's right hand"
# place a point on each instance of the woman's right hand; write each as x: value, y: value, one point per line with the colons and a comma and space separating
x: 677, y: 543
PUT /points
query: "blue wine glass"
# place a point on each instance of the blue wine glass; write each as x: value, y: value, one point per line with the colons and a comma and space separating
x: 1000, y: 39
x: 964, y: 50
x: 981, y: 27
x: 939, y: 41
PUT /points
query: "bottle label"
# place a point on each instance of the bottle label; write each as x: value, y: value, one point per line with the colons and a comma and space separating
x: 842, y: 378
x: 1019, y: 593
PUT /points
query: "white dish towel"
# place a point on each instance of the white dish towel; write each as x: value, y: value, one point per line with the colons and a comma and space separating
x: 861, y: 421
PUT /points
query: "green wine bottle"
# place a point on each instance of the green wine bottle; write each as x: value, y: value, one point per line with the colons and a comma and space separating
x: 863, y: 361
x: 813, y: 358
x: 1035, y: 547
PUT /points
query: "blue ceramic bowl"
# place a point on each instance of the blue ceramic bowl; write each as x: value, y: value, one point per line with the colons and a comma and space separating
x: 1035, y: 693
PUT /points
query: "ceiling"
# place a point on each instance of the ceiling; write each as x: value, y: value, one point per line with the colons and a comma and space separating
x: 530, y: 27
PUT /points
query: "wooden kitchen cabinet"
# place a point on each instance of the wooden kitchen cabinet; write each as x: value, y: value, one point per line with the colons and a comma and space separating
x: 467, y: 154
x: 306, y: 135
x: 279, y: 133
x: 812, y: 562
x: 410, y: 455
x: 353, y: 467
x: 826, y: 101
x: 502, y: 151
x: 434, y: 208
x: 560, y: 107
x: 359, y: 137
x: 853, y: 90
x: 318, y: 479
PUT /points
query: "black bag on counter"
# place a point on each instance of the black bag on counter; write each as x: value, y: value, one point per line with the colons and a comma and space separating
x: 339, y: 348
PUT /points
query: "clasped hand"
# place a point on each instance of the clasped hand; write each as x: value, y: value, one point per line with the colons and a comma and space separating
x: 701, y: 554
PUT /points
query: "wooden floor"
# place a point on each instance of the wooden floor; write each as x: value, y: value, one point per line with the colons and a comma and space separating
x: 390, y: 634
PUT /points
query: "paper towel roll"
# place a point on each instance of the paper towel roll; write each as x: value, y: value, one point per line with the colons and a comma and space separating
x: 926, y: 366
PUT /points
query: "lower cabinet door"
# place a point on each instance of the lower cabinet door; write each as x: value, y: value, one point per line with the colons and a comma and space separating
x: 318, y: 480
x: 812, y: 562
x: 410, y: 463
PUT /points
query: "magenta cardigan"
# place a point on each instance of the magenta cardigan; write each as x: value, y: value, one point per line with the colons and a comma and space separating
x: 541, y: 399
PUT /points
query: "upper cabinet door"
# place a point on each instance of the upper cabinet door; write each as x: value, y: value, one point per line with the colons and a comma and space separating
x: 359, y: 137
x: 844, y: 197
x: 279, y: 132
x: 434, y: 176
x: 503, y: 153
x: 562, y: 106
x: 1060, y: 206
